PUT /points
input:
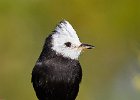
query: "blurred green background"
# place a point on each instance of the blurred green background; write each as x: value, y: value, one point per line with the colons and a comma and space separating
x: 110, y: 72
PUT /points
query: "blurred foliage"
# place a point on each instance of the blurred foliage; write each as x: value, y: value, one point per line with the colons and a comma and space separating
x: 110, y: 72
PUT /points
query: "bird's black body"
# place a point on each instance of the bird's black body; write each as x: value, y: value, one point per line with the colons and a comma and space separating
x: 55, y: 77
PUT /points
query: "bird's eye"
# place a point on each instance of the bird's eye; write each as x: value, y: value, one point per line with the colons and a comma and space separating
x: 68, y: 44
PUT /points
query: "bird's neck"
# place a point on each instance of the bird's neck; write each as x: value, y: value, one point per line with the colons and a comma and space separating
x: 48, y: 54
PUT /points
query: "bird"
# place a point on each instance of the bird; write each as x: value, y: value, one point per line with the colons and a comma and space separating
x: 57, y: 73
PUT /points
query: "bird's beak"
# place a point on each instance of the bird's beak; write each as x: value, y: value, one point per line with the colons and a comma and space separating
x: 86, y: 46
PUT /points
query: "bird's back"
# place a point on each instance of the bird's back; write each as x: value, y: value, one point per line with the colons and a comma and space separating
x: 57, y: 78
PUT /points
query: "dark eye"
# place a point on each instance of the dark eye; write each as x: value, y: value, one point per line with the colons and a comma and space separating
x: 68, y: 44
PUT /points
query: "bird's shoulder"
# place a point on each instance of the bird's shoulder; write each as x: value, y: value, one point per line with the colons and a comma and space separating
x: 57, y: 68
x: 56, y: 65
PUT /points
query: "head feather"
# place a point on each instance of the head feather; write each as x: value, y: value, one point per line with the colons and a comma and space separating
x: 63, y: 33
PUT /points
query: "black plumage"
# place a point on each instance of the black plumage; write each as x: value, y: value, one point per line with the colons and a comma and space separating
x: 57, y: 72
x: 55, y: 77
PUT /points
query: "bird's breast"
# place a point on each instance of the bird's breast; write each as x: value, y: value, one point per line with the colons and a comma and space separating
x: 66, y: 71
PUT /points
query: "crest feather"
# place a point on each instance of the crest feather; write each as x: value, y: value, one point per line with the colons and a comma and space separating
x: 64, y: 33
x: 65, y: 28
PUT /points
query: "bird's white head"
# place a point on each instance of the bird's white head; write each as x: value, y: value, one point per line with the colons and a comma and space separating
x: 66, y: 42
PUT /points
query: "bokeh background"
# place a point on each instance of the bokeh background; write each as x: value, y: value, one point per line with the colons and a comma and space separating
x: 110, y: 72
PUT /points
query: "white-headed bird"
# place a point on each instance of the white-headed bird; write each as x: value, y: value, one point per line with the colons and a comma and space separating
x: 57, y: 72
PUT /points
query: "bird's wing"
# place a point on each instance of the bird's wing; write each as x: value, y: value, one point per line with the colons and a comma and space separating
x: 39, y: 80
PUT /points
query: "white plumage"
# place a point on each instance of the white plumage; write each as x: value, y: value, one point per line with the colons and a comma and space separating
x: 64, y: 33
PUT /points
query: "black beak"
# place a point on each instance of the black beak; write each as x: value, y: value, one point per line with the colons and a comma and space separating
x: 86, y: 46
